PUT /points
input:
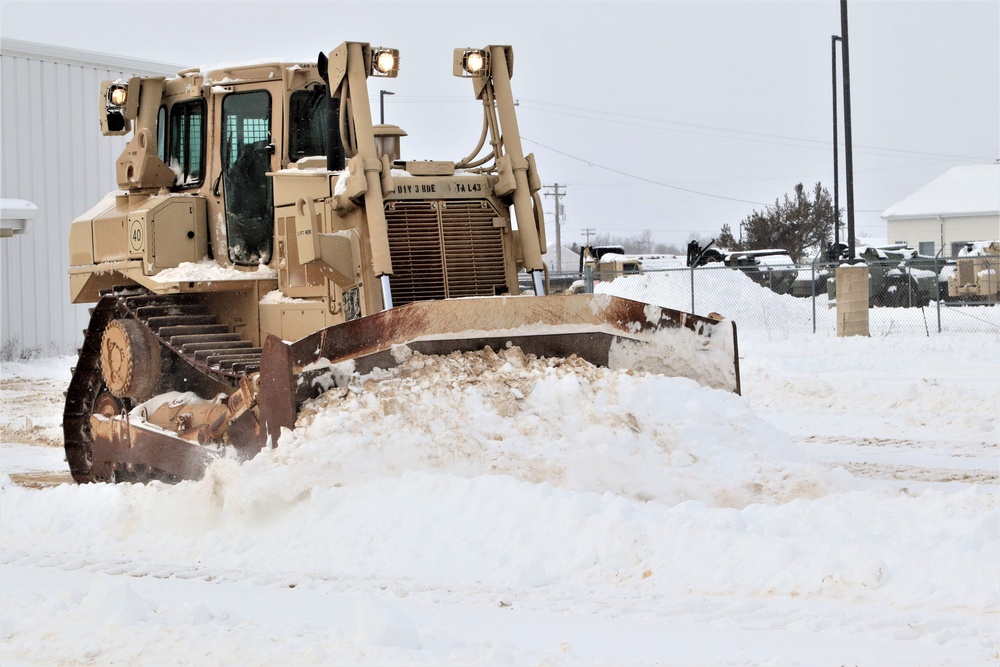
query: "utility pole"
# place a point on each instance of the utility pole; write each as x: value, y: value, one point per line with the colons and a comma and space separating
x: 836, y: 166
x: 589, y: 231
x: 556, y: 194
x: 848, y: 150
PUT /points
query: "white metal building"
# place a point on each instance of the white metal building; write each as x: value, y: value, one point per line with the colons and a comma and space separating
x: 54, y: 156
x: 961, y: 206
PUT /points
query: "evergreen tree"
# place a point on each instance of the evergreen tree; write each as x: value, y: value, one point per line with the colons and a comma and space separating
x: 794, y: 224
x: 726, y: 239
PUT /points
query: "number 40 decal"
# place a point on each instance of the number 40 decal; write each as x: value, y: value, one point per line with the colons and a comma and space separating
x: 135, y: 234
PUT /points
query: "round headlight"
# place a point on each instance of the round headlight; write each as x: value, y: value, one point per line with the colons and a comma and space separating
x: 118, y: 95
x: 474, y: 62
x: 385, y: 61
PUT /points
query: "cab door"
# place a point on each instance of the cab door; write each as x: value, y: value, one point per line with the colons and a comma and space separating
x: 248, y: 152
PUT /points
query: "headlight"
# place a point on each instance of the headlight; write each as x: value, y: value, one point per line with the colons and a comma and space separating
x: 117, y: 95
x: 475, y: 62
x: 385, y: 62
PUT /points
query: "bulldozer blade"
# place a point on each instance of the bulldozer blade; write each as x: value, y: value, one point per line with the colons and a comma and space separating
x: 603, y: 329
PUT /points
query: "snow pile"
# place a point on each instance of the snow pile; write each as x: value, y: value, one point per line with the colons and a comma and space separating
x: 208, y: 270
x: 565, y: 423
x: 734, y: 295
x: 979, y: 249
x: 729, y: 292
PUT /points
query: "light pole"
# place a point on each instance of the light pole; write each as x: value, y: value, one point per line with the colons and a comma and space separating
x: 381, y: 105
x: 836, y: 167
x: 848, y: 151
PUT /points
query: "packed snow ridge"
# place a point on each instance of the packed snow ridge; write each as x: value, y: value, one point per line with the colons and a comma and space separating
x: 561, y: 422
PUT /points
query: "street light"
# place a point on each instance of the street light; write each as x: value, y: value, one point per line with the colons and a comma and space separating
x: 381, y: 105
x: 848, y: 149
x: 836, y: 166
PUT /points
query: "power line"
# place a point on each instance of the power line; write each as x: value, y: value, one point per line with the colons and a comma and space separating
x: 591, y: 163
x: 658, y: 123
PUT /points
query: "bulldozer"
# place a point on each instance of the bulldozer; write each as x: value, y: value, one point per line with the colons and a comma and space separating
x: 266, y: 235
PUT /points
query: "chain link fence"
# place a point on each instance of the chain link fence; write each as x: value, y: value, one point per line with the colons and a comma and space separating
x: 936, y: 296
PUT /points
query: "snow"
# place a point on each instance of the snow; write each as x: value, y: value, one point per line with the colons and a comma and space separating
x: 972, y: 190
x: 276, y: 296
x: 733, y: 294
x: 657, y: 262
x: 783, y: 261
x: 208, y: 270
x: 979, y: 249
x: 500, y: 509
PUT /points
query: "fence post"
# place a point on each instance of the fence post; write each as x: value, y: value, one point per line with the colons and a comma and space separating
x: 692, y: 289
x: 588, y: 279
x: 909, y: 286
x: 937, y: 285
x: 814, y: 289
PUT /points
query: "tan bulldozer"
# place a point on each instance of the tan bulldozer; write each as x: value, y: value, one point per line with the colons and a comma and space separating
x: 266, y: 232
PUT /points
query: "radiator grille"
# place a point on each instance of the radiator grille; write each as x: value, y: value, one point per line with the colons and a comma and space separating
x: 444, y: 250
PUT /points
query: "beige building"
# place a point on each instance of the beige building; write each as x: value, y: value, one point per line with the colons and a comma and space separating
x: 960, y: 206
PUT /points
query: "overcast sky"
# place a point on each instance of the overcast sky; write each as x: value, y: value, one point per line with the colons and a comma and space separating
x: 676, y: 117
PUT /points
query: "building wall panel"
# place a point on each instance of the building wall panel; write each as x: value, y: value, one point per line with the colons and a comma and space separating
x: 53, y: 155
x: 953, y: 229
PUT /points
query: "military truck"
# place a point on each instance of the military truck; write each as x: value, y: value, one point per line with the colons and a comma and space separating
x: 772, y: 268
x: 899, y: 277
x: 607, y: 262
x: 976, y: 274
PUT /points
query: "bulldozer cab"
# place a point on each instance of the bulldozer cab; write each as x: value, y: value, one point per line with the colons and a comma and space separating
x: 221, y: 142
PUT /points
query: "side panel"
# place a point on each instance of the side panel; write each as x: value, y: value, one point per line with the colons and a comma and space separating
x: 178, y: 233
x: 292, y: 321
x: 295, y: 279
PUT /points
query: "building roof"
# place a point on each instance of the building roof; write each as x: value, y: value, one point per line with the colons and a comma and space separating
x: 60, y: 54
x: 961, y: 191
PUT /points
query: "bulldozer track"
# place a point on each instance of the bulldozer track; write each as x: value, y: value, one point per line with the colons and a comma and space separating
x: 198, y: 353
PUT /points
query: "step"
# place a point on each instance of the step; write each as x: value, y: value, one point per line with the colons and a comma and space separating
x: 178, y: 341
x: 187, y: 330
x: 202, y: 355
x: 247, y: 367
x: 227, y: 360
x: 157, y: 323
x: 147, y: 312
x: 231, y: 363
x: 136, y: 302
x: 190, y: 348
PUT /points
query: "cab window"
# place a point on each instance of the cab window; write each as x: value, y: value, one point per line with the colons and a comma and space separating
x: 161, y: 134
x: 246, y: 160
x: 187, y: 143
x: 307, y: 111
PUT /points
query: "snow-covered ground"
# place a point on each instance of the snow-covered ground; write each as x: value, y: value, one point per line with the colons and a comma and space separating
x: 497, y: 509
